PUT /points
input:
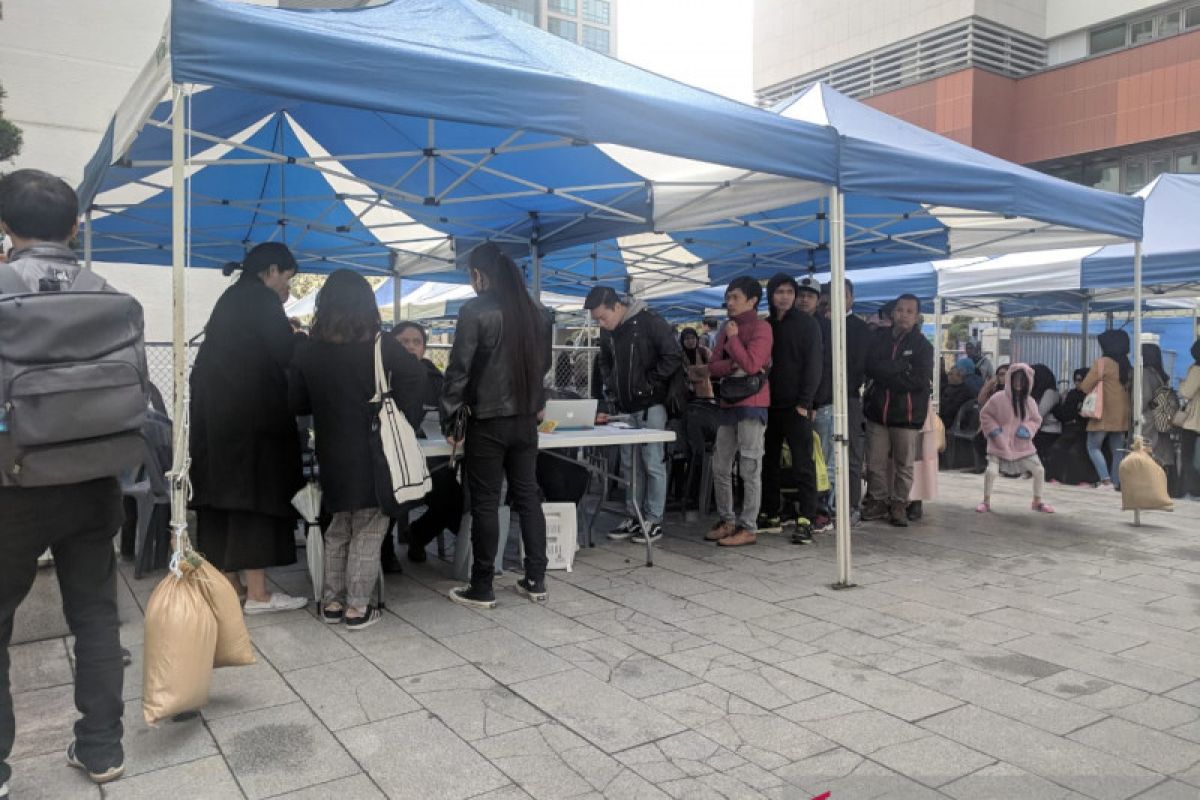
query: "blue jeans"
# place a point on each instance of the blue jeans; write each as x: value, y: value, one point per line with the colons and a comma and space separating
x: 651, y: 491
x: 1116, y: 446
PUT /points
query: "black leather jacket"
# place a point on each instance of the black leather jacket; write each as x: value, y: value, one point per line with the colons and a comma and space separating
x: 478, y: 375
x: 637, y: 361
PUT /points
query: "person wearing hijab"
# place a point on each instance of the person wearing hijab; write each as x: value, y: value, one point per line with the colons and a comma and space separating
x: 1189, y: 394
x: 1069, y: 462
x: 1154, y: 377
x: 1113, y: 372
x: 1045, y: 394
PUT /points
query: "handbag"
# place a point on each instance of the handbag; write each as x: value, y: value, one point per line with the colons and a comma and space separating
x: 1093, y: 404
x: 737, y: 388
x: 401, y: 474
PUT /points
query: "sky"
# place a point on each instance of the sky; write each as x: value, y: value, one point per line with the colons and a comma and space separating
x: 706, y: 43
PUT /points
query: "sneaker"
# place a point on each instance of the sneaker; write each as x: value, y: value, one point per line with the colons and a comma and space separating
x: 873, y: 511
x: 803, y: 535
x: 278, y: 602
x: 655, y: 534
x: 719, y: 531
x: 983, y: 507
x: 1044, y: 508
x: 739, y: 538
x: 473, y: 598
x: 770, y: 523
x: 625, y: 530
x: 534, y: 590
x: 898, y: 515
x: 822, y: 524
x: 97, y: 775
x: 333, y: 613
x: 914, y: 511
x: 368, y: 619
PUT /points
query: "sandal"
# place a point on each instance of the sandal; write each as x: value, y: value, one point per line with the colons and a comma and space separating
x: 983, y: 507
x: 1044, y: 508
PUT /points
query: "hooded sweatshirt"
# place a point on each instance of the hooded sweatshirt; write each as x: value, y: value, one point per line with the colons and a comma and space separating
x: 999, y: 414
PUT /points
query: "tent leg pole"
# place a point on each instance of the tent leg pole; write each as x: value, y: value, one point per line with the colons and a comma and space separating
x: 1137, y: 351
x: 87, y: 239
x: 1085, y: 324
x: 535, y: 263
x: 938, y: 345
x: 178, y: 310
x: 841, y: 441
x: 397, y: 294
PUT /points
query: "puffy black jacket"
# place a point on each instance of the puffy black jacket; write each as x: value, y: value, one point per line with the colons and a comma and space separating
x: 900, y: 372
x: 795, y: 359
x: 858, y: 341
x: 478, y: 374
x: 637, y: 361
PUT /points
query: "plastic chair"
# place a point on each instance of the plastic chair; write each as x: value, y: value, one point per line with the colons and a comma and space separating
x: 146, y: 485
x: 962, y: 434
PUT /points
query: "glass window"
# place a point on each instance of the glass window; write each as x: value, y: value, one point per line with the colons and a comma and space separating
x: 1068, y: 172
x: 1111, y: 37
x: 1135, y: 175
x: 1159, y: 163
x: 1191, y: 17
x: 1103, y: 175
x: 596, y: 39
x: 567, y: 7
x: 1168, y: 23
x: 524, y: 10
x: 1141, y: 31
x: 1187, y: 161
x: 561, y: 27
x: 596, y: 11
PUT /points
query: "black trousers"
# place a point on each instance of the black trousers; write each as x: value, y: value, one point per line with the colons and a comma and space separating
x: 499, y: 448
x: 787, y: 424
x: 77, y: 523
x: 443, y: 508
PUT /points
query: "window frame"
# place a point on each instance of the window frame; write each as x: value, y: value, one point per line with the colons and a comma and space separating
x: 606, y: 21
x: 583, y: 38
x: 551, y: 19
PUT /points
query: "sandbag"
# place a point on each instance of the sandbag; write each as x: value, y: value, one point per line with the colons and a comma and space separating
x: 1143, y: 481
x: 233, y: 640
x: 181, y: 640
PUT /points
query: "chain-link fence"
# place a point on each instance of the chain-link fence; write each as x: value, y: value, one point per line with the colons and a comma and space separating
x: 572, y: 366
x: 1062, y: 353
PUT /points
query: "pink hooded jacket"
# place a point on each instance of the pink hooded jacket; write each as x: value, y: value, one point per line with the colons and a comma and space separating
x: 999, y: 413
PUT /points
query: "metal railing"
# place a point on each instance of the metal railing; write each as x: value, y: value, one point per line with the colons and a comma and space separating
x: 1061, y: 352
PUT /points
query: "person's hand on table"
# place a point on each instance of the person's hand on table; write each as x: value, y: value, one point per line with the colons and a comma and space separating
x: 601, y: 418
x: 454, y: 442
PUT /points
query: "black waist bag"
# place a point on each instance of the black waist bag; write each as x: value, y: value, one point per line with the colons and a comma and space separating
x: 737, y: 388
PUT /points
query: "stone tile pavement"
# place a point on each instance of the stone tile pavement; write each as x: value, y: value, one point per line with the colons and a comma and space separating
x: 1012, y: 655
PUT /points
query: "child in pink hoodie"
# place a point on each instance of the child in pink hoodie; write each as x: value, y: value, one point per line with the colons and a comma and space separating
x: 1009, y: 420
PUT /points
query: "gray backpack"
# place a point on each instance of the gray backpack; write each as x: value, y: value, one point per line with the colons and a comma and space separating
x: 73, y: 382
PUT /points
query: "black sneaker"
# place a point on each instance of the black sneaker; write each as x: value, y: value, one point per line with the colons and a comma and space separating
x: 914, y: 511
x: 534, y: 590
x: 417, y: 554
x: 473, y: 598
x: 97, y: 774
x: 625, y: 530
x: 372, y: 616
x: 333, y: 615
x: 655, y: 534
x: 803, y: 535
x: 769, y: 523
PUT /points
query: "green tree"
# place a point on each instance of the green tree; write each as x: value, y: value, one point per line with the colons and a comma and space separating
x: 958, y: 330
x: 10, y: 134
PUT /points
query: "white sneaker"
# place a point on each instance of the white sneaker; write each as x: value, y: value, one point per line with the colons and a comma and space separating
x: 278, y: 602
x: 4, y: 790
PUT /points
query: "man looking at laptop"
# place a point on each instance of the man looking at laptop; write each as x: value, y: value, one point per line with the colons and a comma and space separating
x: 639, y: 356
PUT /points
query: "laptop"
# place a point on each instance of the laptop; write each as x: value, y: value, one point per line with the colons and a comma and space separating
x: 571, y: 415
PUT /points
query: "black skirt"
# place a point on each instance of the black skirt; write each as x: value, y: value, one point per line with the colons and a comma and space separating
x: 237, y: 540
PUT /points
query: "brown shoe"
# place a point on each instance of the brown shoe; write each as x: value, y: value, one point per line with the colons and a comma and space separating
x: 740, y: 537
x: 874, y: 510
x: 719, y: 531
x: 898, y: 515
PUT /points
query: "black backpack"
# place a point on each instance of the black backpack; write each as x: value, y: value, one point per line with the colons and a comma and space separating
x: 73, y: 382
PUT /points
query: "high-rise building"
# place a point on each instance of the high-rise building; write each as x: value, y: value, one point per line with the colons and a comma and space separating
x: 1100, y: 92
x: 591, y: 23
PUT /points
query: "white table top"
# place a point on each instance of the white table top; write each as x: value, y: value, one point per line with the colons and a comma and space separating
x: 600, y: 436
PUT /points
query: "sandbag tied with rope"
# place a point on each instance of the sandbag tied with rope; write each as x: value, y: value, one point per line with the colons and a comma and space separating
x: 1143, y: 481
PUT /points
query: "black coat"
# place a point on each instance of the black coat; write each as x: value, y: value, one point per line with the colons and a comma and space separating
x: 638, y: 361
x: 795, y: 360
x: 335, y: 383
x: 479, y: 375
x: 901, y: 375
x: 244, y: 445
x: 858, y: 341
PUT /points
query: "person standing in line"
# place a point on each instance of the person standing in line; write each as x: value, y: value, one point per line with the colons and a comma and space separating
x: 639, y: 358
x: 900, y: 368
x: 77, y: 521
x: 333, y: 379
x: 740, y: 359
x: 794, y: 377
x: 700, y: 418
x: 808, y: 296
x: 1010, y: 420
x: 1154, y: 377
x: 1189, y: 394
x: 1113, y: 372
x: 501, y: 354
x: 710, y: 333
x: 245, y: 451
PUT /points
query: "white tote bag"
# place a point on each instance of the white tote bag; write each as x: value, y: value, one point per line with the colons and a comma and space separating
x: 401, y: 475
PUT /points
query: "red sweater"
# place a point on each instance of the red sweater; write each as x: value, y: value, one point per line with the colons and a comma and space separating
x: 749, y: 351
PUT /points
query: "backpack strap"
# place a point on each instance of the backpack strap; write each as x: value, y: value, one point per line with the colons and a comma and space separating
x: 87, y: 281
x: 11, y: 282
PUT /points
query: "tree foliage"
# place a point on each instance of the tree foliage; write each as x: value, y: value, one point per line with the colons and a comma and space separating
x: 10, y: 135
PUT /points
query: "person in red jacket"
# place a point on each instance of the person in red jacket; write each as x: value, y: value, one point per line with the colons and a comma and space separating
x: 740, y: 359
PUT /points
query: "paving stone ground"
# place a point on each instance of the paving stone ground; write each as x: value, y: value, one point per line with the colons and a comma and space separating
x: 999, y: 656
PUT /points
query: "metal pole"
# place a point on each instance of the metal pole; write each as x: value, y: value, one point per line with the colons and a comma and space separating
x: 938, y: 310
x: 178, y: 311
x: 535, y: 263
x: 397, y: 295
x: 1085, y: 324
x: 841, y: 441
x: 1137, y: 351
x: 87, y: 239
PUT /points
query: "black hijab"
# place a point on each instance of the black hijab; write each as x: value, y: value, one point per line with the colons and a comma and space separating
x: 1152, y: 359
x: 1043, y: 380
x: 1115, y: 345
x: 1196, y: 351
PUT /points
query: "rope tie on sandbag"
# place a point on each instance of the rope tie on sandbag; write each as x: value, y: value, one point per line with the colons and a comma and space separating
x: 181, y: 492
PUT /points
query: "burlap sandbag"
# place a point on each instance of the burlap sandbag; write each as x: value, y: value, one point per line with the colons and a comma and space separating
x: 181, y: 638
x: 233, y: 640
x: 1143, y: 481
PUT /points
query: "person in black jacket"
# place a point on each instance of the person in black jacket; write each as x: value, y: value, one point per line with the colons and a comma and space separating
x: 794, y: 377
x: 244, y: 447
x: 639, y: 359
x: 501, y: 354
x: 900, y: 368
x: 333, y: 378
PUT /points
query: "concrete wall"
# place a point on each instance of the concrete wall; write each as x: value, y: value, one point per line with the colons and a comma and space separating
x: 1065, y: 16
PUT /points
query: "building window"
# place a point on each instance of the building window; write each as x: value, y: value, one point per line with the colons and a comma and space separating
x: 1191, y: 17
x: 1188, y: 161
x: 561, y: 27
x: 1168, y: 23
x: 1110, y: 37
x: 596, y: 11
x: 596, y: 39
x: 524, y: 10
x: 1103, y: 175
x: 1135, y: 175
x: 1141, y: 31
x: 566, y: 7
x: 1133, y: 32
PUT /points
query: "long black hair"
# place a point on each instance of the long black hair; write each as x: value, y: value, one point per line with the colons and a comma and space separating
x: 693, y: 355
x: 522, y: 333
x: 1115, y: 345
x: 1152, y: 359
x: 1043, y: 381
x: 261, y: 258
x: 346, y: 309
x: 1018, y: 388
